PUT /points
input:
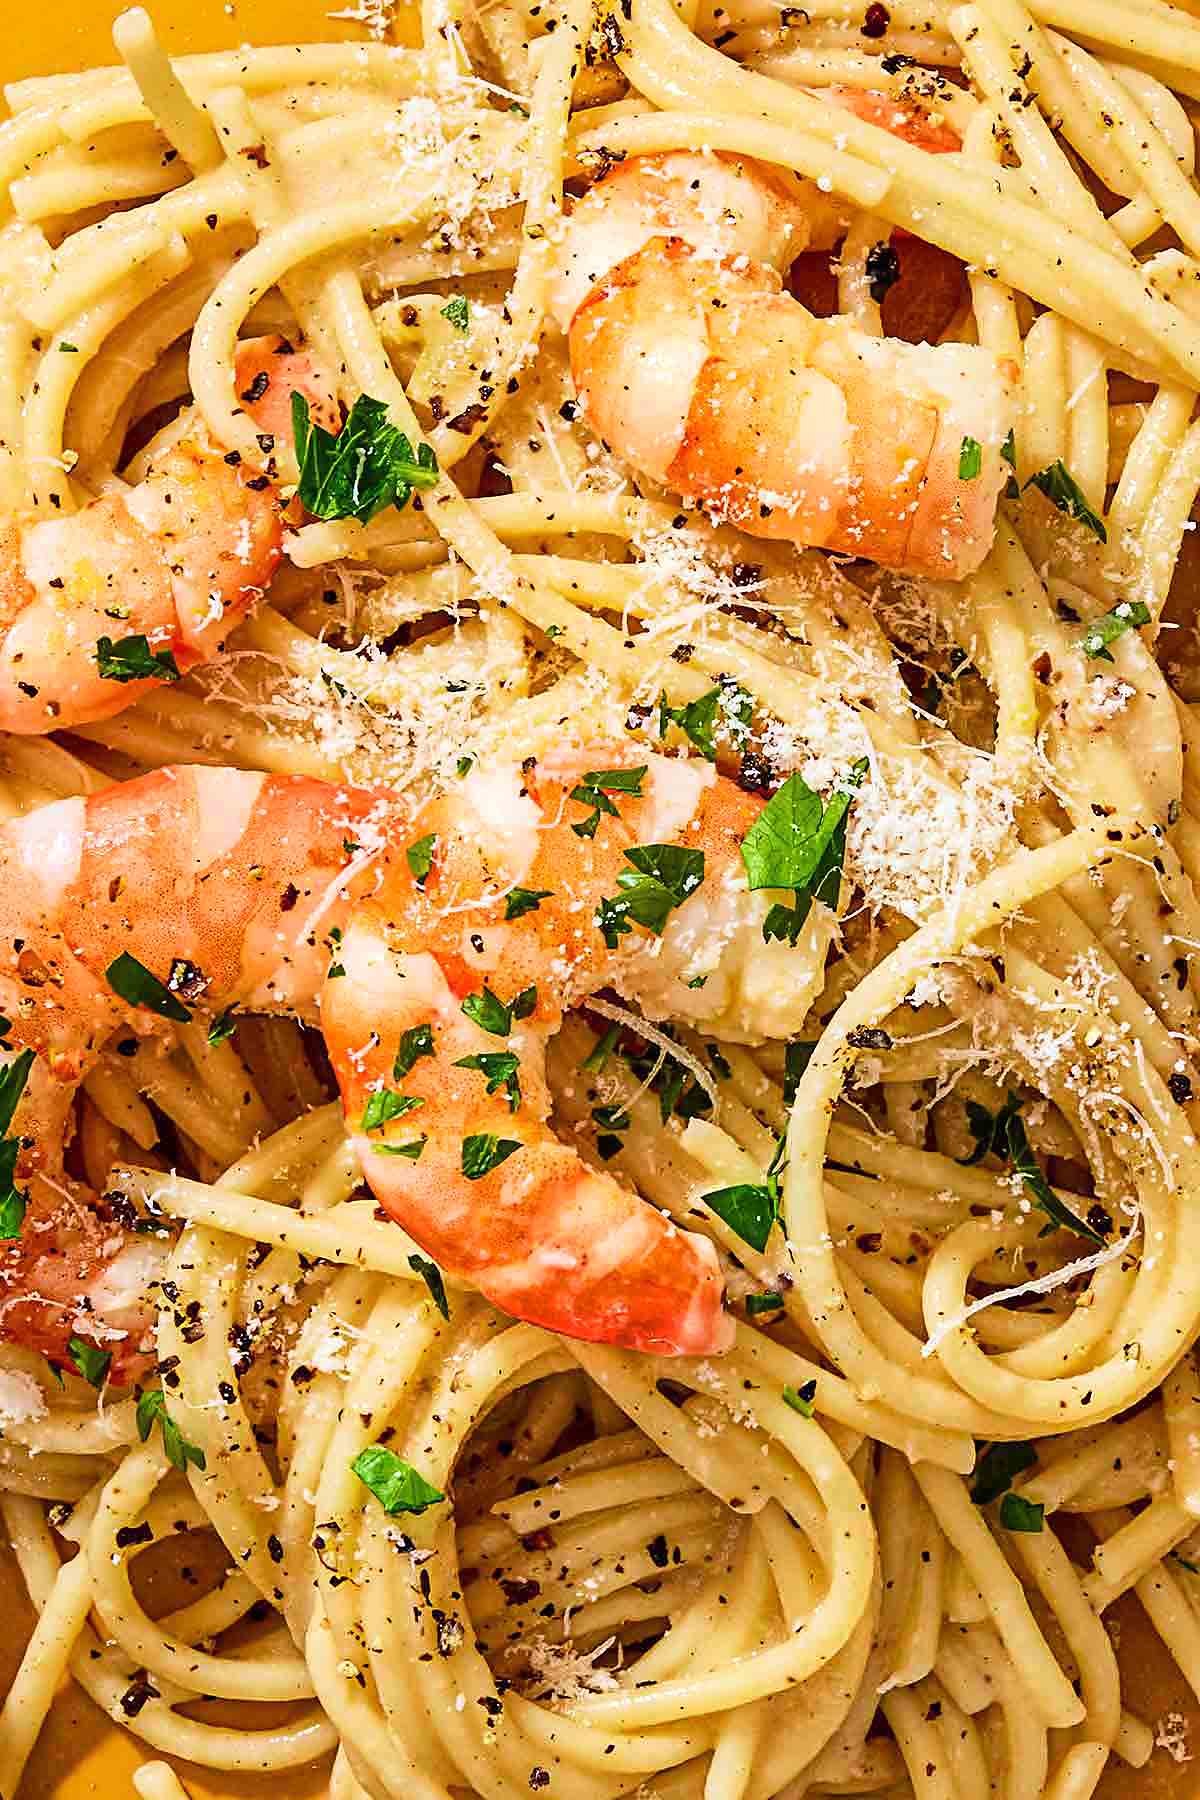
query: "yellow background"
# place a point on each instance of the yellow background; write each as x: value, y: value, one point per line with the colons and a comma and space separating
x: 80, y: 1756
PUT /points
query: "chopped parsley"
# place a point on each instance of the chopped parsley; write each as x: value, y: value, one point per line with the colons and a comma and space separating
x: 458, y: 312
x: 152, y: 1411
x: 519, y: 901
x: 485, y: 1152
x: 222, y: 1027
x: 395, y: 1484
x: 1105, y: 630
x: 501, y: 1071
x: 970, y: 459
x: 612, y: 1118
x: 762, y: 1303
x: 412, y: 1149
x: 1063, y: 491
x: 748, y: 1207
x: 135, y: 984
x: 594, y: 788
x: 797, y: 842
x: 995, y: 1469
x: 491, y: 1014
x: 365, y: 467
x: 796, y: 1059
x: 12, y: 1198
x: 431, y: 1275
x: 1008, y: 453
x: 415, y: 1043
x: 386, y: 1104
x: 603, y: 1048
x: 662, y: 878
x: 91, y: 1363
x: 801, y: 1399
x: 728, y: 703
x: 132, y: 659
x: 419, y: 857
x: 1019, y: 1514
x: 337, y: 969
x: 464, y: 766
x: 1003, y: 1134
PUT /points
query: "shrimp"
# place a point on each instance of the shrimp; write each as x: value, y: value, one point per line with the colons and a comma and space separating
x: 437, y: 948
x: 100, y: 606
x: 692, y: 363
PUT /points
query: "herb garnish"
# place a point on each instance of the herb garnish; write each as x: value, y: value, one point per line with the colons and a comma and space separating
x: 135, y: 984
x: 1008, y: 454
x: 995, y: 1469
x: 801, y: 1399
x: 1003, y: 1134
x: 594, y: 789
x: 222, y: 1027
x: 798, y: 843
x: 431, y: 1275
x: 491, y: 1014
x: 662, y: 877
x: 762, y: 1303
x: 91, y: 1363
x: 415, y: 1043
x: 419, y: 857
x: 151, y: 1411
x: 132, y: 659
x: 412, y: 1149
x: 485, y: 1152
x: 364, y: 468
x: 1126, y: 616
x: 519, y: 901
x: 600, y: 1052
x: 796, y: 1059
x: 385, y: 1104
x: 699, y: 718
x: 395, y: 1484
x: 12, y: 1198
x: 458, y: 311
x: 1064, y: 492
x: 501, y: 1069
x: 1019, y: 1514
x: 970, y: 459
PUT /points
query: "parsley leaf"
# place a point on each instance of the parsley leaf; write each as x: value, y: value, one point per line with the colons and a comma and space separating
x: 364, y: 468
x: 1003, y: 1134
x: 500, y: 1067
x: 395, y: 1484
x: 662, y: 877
x: 12, y: 1198
x: 749, y: 1208
x: 728, y: 703
x: 796, y: 1059
x: 762, y: 1303
x: 520, y: 901
x: 594, y: 789
x: 458, y: 311
x: 132, y: 659
x: 491, y: 1014
x: 91, y: 1363
x: 419, y: 857
x: 152, y: 1411
x: 1063, y: 491
x: 801, y: 1399
x: 1019, y: 1514
x: 431, y: 1275
x: 995, y: 1469
x: 600, y: 1052
x: 135, y: 984
x: 222, y: 1027
x: 385, y: 1104
x: 970, y: 459
x: 798, y: 843
x: 412, y: 1149
x: 415, y: 1043
x: 1111, y: 625
x: 485, y: 1152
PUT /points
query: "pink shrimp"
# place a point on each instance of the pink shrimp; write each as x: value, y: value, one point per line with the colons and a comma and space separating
x: 692, y: 363
x: 159, y: 574
x: 409, y: 936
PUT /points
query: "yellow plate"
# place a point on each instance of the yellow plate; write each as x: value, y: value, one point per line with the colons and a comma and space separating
x: 80, y: 1754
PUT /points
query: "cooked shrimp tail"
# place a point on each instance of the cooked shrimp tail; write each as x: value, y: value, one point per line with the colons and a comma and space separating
x: 438, y: 951
x: 692, y: 362
x: 135, y: 589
